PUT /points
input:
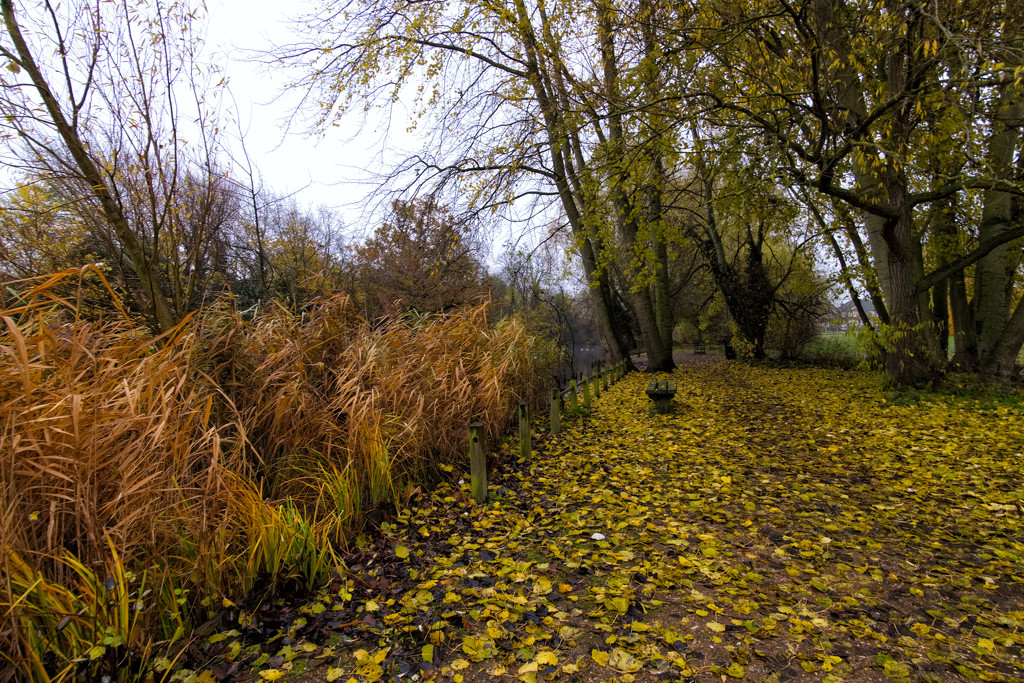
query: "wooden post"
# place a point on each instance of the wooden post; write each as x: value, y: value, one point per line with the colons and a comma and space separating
x: 556, y: 412
x: 574, y: 399
x: 604, y: 379
x: 524, y: 430
x: 597, y: 385
x: 586, y: 392
x: 478, y: 462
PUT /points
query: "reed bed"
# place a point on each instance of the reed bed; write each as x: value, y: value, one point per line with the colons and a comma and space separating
x: 143, y: 481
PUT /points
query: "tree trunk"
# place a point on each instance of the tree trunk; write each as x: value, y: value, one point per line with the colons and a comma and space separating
x: 162, y: 316
x: 991, y: 293
x: 910, y: 357
x: 1000, y: 363
x: 965, y: 341
x: 659, y: 349
x: 600, y: 293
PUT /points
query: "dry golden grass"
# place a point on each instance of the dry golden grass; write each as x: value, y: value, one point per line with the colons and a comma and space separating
x: 107, y: 451
x: 181, y: 456
x: 326, y: 388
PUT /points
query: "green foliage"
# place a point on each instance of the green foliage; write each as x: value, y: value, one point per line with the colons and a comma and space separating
x: 578, y: 411
x: 99, y: 621
x: 833, y: 350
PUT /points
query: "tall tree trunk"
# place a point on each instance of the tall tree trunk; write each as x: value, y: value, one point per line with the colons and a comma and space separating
x: 940, y: 317
x: 909, y: 355
x: 600, y: 292
x: 1001, y: 361
x: 991, y: 293
x: 965, y: 340
x: 655, y: 185
x: 659, y: 353
x: 944, y: 234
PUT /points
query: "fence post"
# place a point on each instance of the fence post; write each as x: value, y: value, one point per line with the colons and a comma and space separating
x: 524, y: 430
x: 604, y: 379
x: 586, y: 392
x: 574, y: 399
x: 596, y: 377
x: 556, y: 413
x: 478, y: 462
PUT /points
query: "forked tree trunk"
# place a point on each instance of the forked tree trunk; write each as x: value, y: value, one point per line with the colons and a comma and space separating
x: 557, y: 138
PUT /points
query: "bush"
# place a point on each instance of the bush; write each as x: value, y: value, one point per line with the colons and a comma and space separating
x: 833, y: 350
x: 170, y: 462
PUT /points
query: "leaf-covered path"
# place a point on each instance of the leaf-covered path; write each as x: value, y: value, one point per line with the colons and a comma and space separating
x: 779, y: 525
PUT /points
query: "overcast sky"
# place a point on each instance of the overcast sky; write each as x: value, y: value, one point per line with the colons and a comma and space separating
x: 328, y: 170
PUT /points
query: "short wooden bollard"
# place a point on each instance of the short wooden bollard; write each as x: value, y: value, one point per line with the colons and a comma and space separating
x: 477, y: 462
x: 556, y: 412
x: 604, y: 379
x: 586, y: 392
x: 524, y: 430
x: 597, y: 385
x: 574, y: 399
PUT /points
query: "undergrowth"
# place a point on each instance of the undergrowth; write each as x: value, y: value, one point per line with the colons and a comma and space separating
x: 145, y: 483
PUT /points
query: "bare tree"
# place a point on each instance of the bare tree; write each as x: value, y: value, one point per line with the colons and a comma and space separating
x: 92, y: 100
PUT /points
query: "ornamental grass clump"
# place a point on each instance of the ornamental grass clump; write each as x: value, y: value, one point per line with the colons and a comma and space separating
x: 388, y: 402
x: 108, y: 457
x: 146, y: 481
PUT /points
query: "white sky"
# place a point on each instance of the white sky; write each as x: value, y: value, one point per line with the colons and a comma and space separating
x: 328, y: 170
x: 333, y: 170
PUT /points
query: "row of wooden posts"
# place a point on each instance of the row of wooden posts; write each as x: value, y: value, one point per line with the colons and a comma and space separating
x: 594, y: 383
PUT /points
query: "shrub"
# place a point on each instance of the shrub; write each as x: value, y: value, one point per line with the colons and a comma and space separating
x: 166, y: 465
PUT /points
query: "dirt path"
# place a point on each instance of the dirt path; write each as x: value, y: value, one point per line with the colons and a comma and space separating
x: 779, y: 525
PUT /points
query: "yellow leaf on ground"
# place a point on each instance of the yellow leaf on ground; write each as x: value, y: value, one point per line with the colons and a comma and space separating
x: 621, y: 660
x: 547, y: 658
